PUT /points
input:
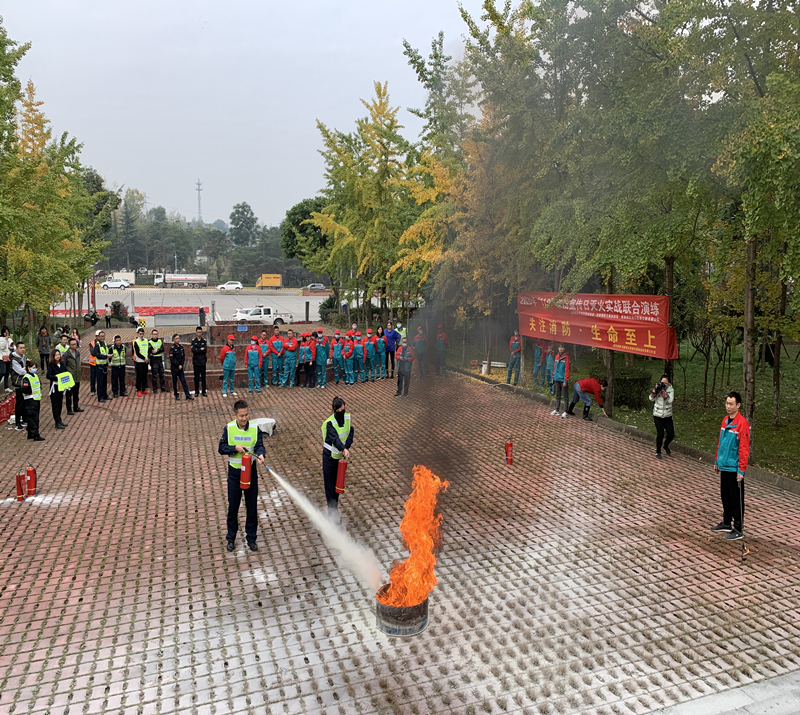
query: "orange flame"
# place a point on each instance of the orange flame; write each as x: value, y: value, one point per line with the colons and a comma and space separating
x: 411, y: 581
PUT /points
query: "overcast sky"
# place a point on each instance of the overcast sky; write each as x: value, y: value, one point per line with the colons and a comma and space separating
x: 165, y: 92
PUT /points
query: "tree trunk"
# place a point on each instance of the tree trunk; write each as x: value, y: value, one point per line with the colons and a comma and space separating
x: 464, y: 348
x: 705, y: 378
x: 609, y: 402
x: 776, y: 368
x: 669, y: 289
x: 749, y: 342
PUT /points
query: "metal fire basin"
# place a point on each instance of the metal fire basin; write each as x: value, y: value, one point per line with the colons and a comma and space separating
x: 402, y: 620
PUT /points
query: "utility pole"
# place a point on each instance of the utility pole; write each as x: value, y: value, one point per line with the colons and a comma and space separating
x: 199, y: 188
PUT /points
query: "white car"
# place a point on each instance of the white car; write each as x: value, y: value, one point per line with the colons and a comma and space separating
x: 315, y: 286
x: 114, y: 283
x: 230, y: 285
x: 262, y: 314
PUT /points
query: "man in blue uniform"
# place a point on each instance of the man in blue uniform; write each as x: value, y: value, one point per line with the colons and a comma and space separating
x: 240, y: 437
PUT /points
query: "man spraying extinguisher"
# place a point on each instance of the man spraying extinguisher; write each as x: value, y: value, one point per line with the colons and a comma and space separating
x: 337, y: 437
x: 238, y: 438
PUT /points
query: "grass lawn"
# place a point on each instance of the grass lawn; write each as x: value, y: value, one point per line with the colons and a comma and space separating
x: 777, y: 450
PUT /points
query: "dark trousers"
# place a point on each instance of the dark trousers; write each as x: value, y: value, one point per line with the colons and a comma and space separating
x: 561, y: 391
x: 235, y: 499
x: 179, y: 375
x: 108, y: 321
x: 158, y: 375
x: 93, y: 378
x: 390, y: 356
x: 20, y: 409
x: 118, y: 380
x: 102, y: 382
x: 422, y: 364
x: 5, y: 368
x: 72, y: 397
x: 43, y: 360
x: 403, y: 380
x: 199, y: 379
x: 664, y: 425
x: 57, y: 404
x: 141, y: 376
x: 732, y: 499
x: 330, y: 469
x: 32, y: 416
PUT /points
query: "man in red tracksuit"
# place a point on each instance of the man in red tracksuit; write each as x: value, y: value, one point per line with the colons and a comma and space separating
x: 580, y: 393
x: 404, y: 356
x: 289, y: 359
x: 347, y: 354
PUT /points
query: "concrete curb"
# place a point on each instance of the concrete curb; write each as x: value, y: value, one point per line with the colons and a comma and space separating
x: 758, y: 474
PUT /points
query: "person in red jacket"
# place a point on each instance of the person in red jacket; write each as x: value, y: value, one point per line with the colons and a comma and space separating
x: 580, y: 393
x: 347, y: 354
x: 733, y: 454
x: 405, y: 361
x: 253, y: 360
x: 324, y: 337
x: 289, y: 359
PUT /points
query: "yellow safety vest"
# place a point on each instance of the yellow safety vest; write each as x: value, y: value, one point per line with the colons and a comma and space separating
x: 103, y: 359
x: 36, y: 386
x: 117, y: 356
x: 343, y: 432
x: 144, y: 349
x: 246, y: 438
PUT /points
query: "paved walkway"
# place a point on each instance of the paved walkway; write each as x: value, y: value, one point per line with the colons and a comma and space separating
x: 581, y: 580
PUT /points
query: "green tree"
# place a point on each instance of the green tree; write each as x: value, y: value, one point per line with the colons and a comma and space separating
x: 244, y: 225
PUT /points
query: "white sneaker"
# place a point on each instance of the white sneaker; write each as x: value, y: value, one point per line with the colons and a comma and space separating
x: 233, y: 393
x: 224, y: 394
x: 554, y: 412
x: 563, y: 415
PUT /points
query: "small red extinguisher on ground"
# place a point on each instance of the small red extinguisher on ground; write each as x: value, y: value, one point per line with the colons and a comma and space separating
x: 509, y: 451
x: 247, y: 468
x: 30, y: 474
x: 22, y: 489
x: 341, y: 470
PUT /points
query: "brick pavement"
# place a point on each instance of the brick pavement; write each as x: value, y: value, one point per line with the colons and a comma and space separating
x: 582, y: 579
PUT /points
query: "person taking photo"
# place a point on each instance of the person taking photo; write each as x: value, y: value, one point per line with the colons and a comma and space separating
x: 662, y: 396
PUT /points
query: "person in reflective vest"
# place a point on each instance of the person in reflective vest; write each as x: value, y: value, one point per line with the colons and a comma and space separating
x: 289, y: 359
x: 63, y: 344
x: 72, y: 359
x: 118, y: 358
x: 141, y: 359
x: 100, y: 352
x: 515, y: 346
x: 155, y: 353
x: 276, y: 344
x: 240, y: 437
x: 56, y: 367
x: 32, y: 393
x: 337, y: 438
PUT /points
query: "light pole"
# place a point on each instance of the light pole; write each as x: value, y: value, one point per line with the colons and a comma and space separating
x: 176, y: 263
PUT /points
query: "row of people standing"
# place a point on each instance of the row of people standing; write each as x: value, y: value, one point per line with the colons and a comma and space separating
x: 354, y: 356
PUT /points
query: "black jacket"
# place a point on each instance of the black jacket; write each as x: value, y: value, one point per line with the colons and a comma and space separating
x: 177, y: 357
x: 199, y: 351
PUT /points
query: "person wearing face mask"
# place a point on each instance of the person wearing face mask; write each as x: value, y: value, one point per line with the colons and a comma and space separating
x: 118, y: 359
x: 337, y: 438
x: 321, y: 360
x: 337, y: 355
x: 265, y: 346
x: 405, y: 362
x: 289, y: 359
x: 253, y: 361
x: 227, y: 357
x: 392, y: 341
x: 370, y: 355
x: 304, y: 360
x: 358, y: 359
x: 60, y: 380
x: 72, y: 359
x: 177, y: 359
x: 398, y: 326
x: 420, y: 345
x: 515, y: 346
x: 276, y: 345
x: 380, y: 356
x: 32, y: 395
x: 347, y: 354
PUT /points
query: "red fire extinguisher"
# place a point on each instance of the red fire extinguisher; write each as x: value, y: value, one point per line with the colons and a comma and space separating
x: 30, y: 474
x: 509, y: 451
x: 21, y: 485
x: 341, y: 470
x: 247, y: 468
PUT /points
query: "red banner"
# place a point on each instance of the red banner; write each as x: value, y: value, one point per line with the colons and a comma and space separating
x: 628, y: 323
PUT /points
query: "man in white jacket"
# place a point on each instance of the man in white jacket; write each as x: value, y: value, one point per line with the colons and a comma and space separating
x: 662, y: 397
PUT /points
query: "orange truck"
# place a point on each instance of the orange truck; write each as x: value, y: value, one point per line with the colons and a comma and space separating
x: 269, y: 280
